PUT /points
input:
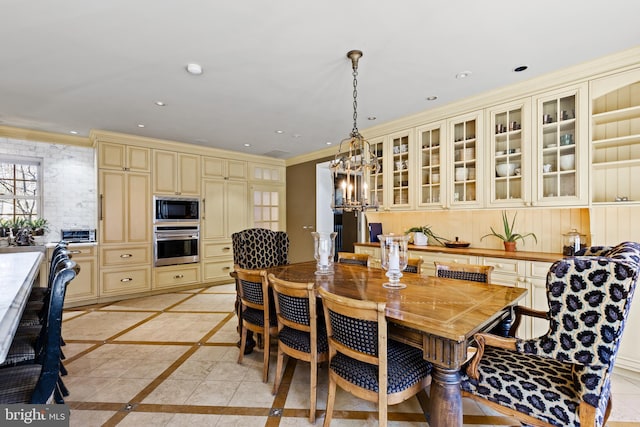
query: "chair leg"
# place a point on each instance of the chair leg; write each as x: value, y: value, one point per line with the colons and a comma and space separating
x: 63, y: 388
x: 313, y: 392
x: 243, y: 342
x: 279, y: 365
x: 265, y: 367
x: 330, y: 401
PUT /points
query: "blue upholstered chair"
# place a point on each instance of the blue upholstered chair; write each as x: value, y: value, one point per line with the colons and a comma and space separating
x: 39, y: 383
x: 360, y: 355
x: 414, y: 265
x: 562, y: 378
x: 353, y: 258
x: 301, y: 331
x: 472, y: 272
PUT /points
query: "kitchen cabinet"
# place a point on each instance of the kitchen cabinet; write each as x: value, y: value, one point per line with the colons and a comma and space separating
x: 464, y: 167
x: 176, y: 173
x: 217, y: 260
x: 561, y: 138
x: 123, y: 157
x: 429, y: 258
x: 124, y: 269
x: 214, y: 167
x: 175, y: 276
x: 431, y: 160
x: 615, y: 138
x: 376, y: 178
x: 510, y: 154
x: 84, y: 288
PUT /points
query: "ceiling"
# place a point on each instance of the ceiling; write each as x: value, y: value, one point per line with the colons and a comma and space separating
x: 77, y: 65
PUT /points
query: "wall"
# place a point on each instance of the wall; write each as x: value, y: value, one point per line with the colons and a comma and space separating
x: 470, y: 225
x: 68, y: 180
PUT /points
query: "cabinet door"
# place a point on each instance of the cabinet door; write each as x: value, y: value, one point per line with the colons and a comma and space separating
x: 562, y: 145
x: 431, y: 158
x: 214, y: 209
x: 138, y: 208
x: 376, y: 178
x: 463, y: 165
x: 189, y: 174
x: 113, y: 205
x: 401, y: 172
x: 236, y: 205
x: 615, y: 134
x: 84, y: 285
x: 510, y: 154
x: 123, y: 157
x: 165, y: 165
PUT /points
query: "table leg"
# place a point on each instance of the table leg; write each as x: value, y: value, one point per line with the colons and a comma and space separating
x: 445, y: 398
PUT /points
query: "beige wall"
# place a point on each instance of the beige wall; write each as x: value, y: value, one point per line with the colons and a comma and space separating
x: 470, y: 225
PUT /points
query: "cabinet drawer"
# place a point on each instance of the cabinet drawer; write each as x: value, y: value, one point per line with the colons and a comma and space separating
x: 170, y: 276
x: 112, y: 257
x: 505, y: 266
x: 81, y: 251
x: 538, y: 269
x: 124, y: 281
x: 217, y: 249
x: 217, y: 270
x: 430, y: 257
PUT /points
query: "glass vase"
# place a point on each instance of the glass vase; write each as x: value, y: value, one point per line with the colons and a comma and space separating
x: 394, y: 257
x: 323, y: 251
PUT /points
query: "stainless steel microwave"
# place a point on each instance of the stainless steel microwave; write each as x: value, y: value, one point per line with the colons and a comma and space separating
x: 176, y: 209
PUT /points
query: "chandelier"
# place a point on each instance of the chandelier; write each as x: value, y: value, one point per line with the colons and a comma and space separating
x: 355, y: 162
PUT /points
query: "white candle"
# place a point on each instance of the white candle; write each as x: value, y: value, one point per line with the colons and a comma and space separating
x: 365, y: 194
x: 394, y: 257
x: 349, y: 190
x: 344, y: 191
x: 323, y: 251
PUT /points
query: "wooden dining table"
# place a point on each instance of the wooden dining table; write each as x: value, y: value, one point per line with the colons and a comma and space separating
x: 437, y: 315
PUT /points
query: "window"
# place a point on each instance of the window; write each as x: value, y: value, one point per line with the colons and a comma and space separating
x: 20, y: 188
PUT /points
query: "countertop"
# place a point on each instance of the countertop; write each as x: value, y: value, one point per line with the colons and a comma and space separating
x: 495, y: 253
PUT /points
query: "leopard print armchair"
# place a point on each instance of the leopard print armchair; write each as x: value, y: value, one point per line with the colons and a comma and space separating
x: 563, y: 377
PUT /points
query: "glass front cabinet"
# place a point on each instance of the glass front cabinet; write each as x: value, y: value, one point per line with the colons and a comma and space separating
x: 376, y: 179
x: 509, y: 154
x: 464, y: 174
x: 431, y: 158
x: 562, y: 144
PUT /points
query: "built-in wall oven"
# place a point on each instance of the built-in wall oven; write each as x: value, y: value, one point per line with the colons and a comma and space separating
x: 176, y: 244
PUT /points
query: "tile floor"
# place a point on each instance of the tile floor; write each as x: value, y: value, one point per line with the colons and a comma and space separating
x: 170, y: 360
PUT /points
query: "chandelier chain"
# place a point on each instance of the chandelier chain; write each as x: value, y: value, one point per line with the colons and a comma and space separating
x: 355, y: 102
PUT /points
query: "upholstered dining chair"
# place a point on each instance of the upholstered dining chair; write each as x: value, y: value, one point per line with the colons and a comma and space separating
x: 353, y: 258
x: 563, y: 377
x: 38, y: 383
x: 363, y: 362
x: 258, y: 313
x: 473, y: 272
x: 413, y: 265
x: 254, y: 249
x: 301, y: 331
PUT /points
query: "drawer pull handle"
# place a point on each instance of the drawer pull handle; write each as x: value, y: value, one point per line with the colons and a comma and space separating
x: 498, y: 265
x: 226, y: 248
x: 178, y: 276
x: 75, y: 252
x: 126, y: 256
x: 126, y: 279
x: 226, y: 268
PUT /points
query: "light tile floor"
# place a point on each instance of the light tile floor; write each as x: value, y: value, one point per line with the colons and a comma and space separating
x: 170, y: 360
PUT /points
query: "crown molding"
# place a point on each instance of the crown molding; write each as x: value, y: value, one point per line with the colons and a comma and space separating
x: 41, y: 136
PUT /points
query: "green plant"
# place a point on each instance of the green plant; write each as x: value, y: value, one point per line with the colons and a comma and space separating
x: 39, y: 226
x: 509, y: 235
x: 426, y: 230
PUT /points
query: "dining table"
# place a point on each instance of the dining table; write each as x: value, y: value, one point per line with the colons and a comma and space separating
x: 437, y: 315
x: 18, y: 272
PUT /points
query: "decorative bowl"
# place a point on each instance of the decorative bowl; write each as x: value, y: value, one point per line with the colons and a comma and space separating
x: 567, y: 162
x: 505, y: 169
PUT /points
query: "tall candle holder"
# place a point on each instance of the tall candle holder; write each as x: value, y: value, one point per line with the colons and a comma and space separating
x: 323, y: 251
x: 394, y: 258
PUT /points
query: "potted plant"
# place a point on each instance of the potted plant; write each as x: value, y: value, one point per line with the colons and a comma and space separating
x: 509, y: 237
x: 4, y: 227
x: 422, y: 234
x: 39, y: 226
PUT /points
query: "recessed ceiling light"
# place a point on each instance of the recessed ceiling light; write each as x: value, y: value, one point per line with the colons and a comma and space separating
x: 328, y: 142
x: 160, y: 104
x: 73, y: 132
x: 431, y: 98
x: 296, y: 135
x: 520, y: 68
x: 279, y: 132
x: 463, y: 74
x: 140, y: 125
x: 371, y: 118
x: 195, y: 69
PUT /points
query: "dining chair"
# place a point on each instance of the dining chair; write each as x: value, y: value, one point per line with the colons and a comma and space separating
x: 254, y: 249
x: 258, y: 312
x: 301, y: 331
x: 414, y: 265
x: 363, y: 362
x: 564, y: 376
x: 39, y: 383
x: 472, y: 272
x: 353, y: 258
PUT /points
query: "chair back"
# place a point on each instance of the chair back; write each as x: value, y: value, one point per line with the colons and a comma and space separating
x: 353, y: 258
x: 472, y: 272
x: 295, y: 304
x: 252, y: 288
x: 48, y: 380
x: 258, y: 248
x: 413, y: 265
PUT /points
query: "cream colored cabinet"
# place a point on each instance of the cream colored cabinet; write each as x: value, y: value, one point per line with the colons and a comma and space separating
x: 262, y: 172
x: 176, y: 276
x: 374, y: 255
x: 217, y: 260
x: 464, y: 167
x: 509, y: 154
x: 84, y: 287
x: 401, y: 174
x: 124, y: 207
x: 124, y: 269
x: 615, y: 138
x: 376, y: 178
x: 561, y: 138
x: 431, y: 160
x: 123, y: 157
x: 176, y: 173
x: 214, y: 167
x: 428, y: 259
